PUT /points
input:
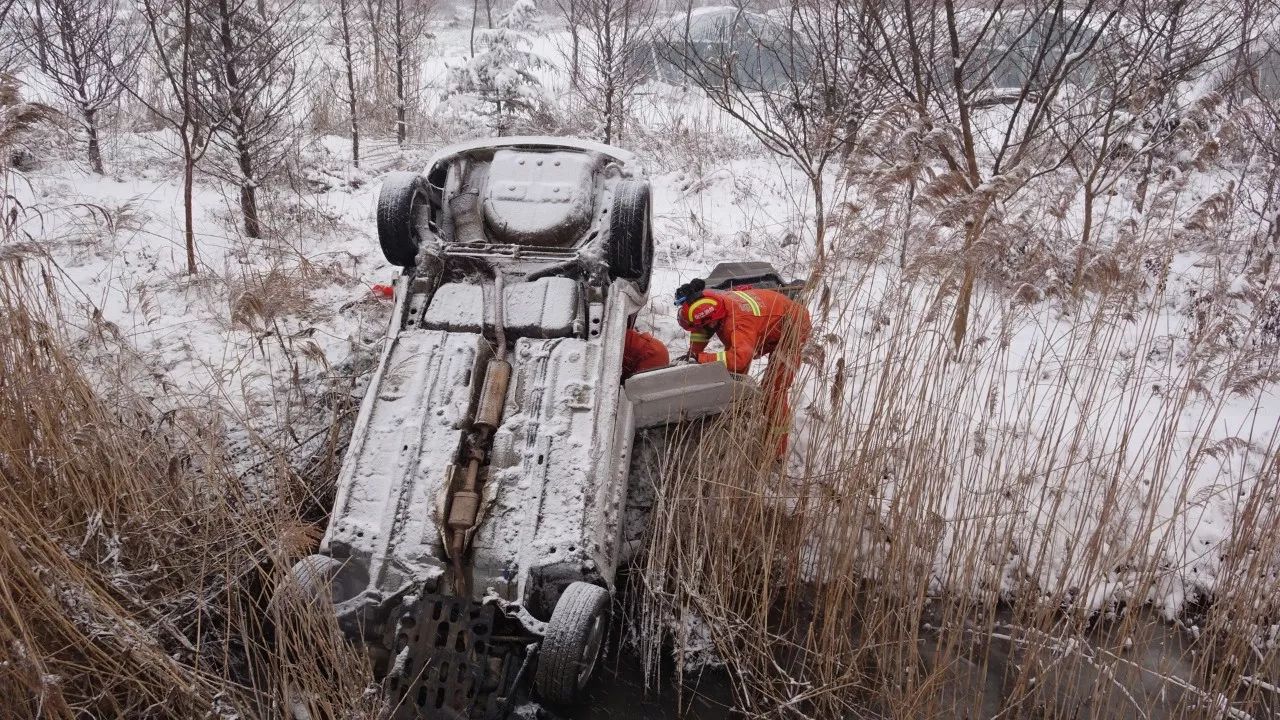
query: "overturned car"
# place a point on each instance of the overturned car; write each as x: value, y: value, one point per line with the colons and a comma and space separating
x: 476, y: 531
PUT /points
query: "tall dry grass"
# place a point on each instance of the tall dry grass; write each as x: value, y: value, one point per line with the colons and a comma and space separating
x: 1052, y: 523
x: 136, y: 566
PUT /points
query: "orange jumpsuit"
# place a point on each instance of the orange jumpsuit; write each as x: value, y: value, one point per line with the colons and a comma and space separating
x: 641, y: 352
x: 755, y: 323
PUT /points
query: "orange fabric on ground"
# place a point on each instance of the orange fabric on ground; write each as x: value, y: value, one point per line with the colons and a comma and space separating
x: 641, y: 352
x: 755, y: 324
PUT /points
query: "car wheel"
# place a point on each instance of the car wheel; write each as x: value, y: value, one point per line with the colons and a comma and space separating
x: 312, y: 578
x: 402, y: 199
x: 573, y: 642
x: 630, y: 249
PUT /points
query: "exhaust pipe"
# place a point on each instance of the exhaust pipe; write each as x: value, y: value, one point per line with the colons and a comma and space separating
x: 464, y: 496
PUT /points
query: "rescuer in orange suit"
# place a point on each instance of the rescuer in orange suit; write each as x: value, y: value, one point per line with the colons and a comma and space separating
x: 750, y: 323
x: 642, y: 351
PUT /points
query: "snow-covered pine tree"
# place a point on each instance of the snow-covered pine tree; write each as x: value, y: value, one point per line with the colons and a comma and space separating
x: 498, y: 85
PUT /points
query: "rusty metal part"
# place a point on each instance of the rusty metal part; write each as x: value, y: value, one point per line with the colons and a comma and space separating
x: 464, y: 207
x: 463, y: 511
x: 464, y: 508
x: 493, y: 395
x: 500, y: 313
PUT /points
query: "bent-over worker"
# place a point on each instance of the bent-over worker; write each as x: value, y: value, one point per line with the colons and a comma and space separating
x: 750, y: 324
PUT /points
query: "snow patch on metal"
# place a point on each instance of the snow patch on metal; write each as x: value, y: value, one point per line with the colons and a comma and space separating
x: 395, y: 473
x: 547, y: 307
x: 539, y: 198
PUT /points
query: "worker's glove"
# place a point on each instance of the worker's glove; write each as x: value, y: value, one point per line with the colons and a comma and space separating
x: 685, y: 360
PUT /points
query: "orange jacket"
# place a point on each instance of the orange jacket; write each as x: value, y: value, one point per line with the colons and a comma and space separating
x: 754, y: 324
x: 641, y: 352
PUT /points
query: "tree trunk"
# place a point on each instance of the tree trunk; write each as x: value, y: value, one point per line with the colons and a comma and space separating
x: 355, y: 135
x: 345, y: 10
x: 373, y: 13
x: 248, y: 193
x: 42, y: 53
x: 95, y: 151
x: 906, y: 226
x: 488, y: 12
x: 574, y: 41
x: 188, y: 203
x: 401, y: 128
x: 819, y: 222
x: 475, y: 14
x: 1144, y: 184
x: 608, y: 113
x: 1082, y: 252
x: 401, y: 50
x: 960, y: 324
x: 249, y: 208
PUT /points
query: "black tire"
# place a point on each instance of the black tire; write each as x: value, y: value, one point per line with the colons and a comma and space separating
x: 630, y: 250
x: 573, y: 643
x: 403, y: 196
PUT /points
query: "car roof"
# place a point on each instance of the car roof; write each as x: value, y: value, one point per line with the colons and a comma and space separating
x: 530, y: 141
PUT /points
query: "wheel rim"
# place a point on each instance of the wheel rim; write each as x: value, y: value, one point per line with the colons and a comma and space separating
x: 591, y: 650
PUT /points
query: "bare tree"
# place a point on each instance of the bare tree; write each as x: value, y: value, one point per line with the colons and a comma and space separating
x: 346, y: 33
x: 248, y: 80
x: 372, y: 10
x: 403, y: 32
x: 614, y: 61
x: 82, y: 47
x: 1075, y: 82
x: 1125, y: 114
x: 1262, y: 120
x: 10, y: 47
x: 571, y: 11
x: 171, y: 27
x: 796, y: 82
x: 37, y: 13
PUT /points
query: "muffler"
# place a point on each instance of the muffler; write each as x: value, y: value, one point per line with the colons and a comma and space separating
x: 493, y: 395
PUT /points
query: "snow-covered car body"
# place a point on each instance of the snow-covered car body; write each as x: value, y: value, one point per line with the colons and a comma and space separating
x: 560, y: 231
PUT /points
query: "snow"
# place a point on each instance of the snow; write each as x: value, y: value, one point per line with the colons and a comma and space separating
x: 547, y: 307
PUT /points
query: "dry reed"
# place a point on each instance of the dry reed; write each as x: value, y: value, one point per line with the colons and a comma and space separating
x: 136, y: 567
x: 1004, y: 532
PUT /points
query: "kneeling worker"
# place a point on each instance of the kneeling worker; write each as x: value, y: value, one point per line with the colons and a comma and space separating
x: 750, y: 324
